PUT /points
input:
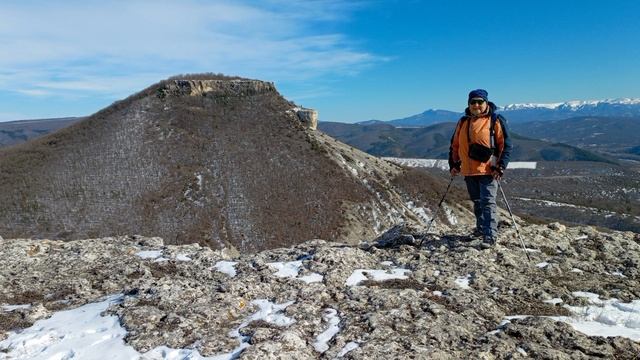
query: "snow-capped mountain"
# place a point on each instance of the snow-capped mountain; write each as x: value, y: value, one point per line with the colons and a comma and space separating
x: 525, y: 112
x: 564, y: 110
x: 576, y: 105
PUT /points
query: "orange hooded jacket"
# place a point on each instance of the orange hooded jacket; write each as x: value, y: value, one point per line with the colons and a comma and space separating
x: 479, y: 134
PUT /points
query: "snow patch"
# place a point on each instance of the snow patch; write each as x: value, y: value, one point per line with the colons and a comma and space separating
x: 183, y: 257
x: 542, y: 264
x: 420, y: 211
x: 605, y: 317
x: 226, y: 267
x: 311, y: 278
x: 269, y: 312
x: 286, y: 269
x: 10, y: 308
x: 443, y: 164
x: 348, y: 347
x: 451, y: 217
x: 360, y: 275
x: 553, y: 301
x: 82, y: 333
x: 463, y: 282
x: 322, y: 341
x: 149, y: 254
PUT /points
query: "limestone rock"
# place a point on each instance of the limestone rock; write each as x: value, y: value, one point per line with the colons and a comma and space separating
x: 216, y: 87
x: 308, y: 117
x: 449, y: 301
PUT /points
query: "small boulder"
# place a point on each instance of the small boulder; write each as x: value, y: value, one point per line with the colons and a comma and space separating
x: 557, y: 227
x: 398, y: 235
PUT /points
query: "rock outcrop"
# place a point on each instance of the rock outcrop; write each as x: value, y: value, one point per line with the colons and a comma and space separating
x: 222, y: 87
x: 224, y: 162
x: 385, y: 299
x: 308, y: 117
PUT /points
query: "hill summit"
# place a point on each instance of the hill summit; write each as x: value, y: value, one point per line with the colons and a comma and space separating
x: 221, y: 161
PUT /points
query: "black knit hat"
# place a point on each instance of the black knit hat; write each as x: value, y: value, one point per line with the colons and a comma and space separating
x: 479, y: 93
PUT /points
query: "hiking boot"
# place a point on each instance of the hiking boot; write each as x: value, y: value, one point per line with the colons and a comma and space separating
x: 488, y: 241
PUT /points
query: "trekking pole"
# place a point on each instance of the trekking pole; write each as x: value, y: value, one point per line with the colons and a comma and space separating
x: 504, y: 197
x: 437, y: 209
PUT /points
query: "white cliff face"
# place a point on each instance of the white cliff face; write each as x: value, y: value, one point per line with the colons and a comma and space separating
x: 308, y: 117
x: 446, y: 299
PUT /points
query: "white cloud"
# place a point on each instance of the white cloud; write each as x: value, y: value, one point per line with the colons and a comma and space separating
x: 33, y: 92
x: 118, y: 47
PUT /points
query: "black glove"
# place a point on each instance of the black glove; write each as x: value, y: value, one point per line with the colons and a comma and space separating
x: 497, y: 170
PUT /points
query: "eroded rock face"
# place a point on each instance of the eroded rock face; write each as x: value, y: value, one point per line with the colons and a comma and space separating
x: 241, y: 87
x: 308, y: 117
x: 447, y: 299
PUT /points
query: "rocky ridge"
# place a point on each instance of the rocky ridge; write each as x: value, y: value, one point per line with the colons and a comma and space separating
x: 380, y: 299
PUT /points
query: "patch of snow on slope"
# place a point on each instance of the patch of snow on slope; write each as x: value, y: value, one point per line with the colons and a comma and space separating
x: 83, y: 333
x: 553, y: 301
x: 463, y: 282
x: 322, y: 340
x: 226, y: 267
x: 311, y: 278
x: 444, y: 164
x: 182, y: 257
x: 605, y: 317
x: 420, y: 211
x: 451, y: 217
x: 10, y: 308
x: 286, y: 269
x: 348, y: 347
x: 360, y: 275
x: 149, y: 254
x: 69, y: 333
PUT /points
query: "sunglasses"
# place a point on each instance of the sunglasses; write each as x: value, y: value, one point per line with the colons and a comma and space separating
x: 476, y: 101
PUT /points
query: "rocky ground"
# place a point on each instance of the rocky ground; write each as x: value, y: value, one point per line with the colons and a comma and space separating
x: 448, y: 299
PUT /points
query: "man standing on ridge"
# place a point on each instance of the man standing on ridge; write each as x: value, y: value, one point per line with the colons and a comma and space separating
x: 480, y: 149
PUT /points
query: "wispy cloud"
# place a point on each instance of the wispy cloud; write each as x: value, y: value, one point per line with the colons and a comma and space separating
x: 34, y: 92
x: 115, y: 48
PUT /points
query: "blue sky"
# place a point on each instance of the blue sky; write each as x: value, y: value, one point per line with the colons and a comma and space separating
x: 350, y: 60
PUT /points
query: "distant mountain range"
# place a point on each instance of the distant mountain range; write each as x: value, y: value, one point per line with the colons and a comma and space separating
x: 433, y: 142
x: 15, y: 132
x: 616, y: 136
x: 516, y: 113
x: 606, y: 132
